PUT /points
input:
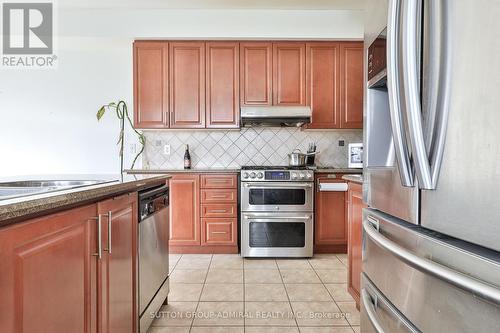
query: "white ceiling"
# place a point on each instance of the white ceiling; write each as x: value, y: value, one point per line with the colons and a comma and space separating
x: 217, y: 4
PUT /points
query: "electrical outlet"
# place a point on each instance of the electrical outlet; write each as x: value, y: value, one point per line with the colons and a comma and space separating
x: 166, y: 149
x: 341, y: 143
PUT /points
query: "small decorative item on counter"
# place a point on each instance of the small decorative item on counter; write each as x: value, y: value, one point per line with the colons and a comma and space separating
x: 187, y: 158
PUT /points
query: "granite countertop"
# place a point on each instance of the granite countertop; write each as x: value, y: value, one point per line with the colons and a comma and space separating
x: 165, y: 171
x: 354, y: 178
x: 22, y: 208
x: 338, y: 170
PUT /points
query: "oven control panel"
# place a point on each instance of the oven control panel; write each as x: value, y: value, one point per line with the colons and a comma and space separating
x: 277, y: 175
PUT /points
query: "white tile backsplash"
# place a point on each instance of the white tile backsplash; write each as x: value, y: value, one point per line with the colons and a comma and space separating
x: 249, y: 146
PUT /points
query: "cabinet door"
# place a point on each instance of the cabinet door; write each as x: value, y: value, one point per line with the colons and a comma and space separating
x: 187, y: 84
x: 355, y: 219
x: 48, y: 278
x: 323, y: 89
x: 219, y: 231
x: 150, y: 84
x: 223, y: 85
x: 256, y: 73
x: 117, y: 269
x: 289, y: 73
x: 185, y: 209
x: 351, y: 87
x: 330, y: 224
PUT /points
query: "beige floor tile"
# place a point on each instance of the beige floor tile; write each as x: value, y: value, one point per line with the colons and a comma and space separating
x: 193, y: 263
x: 197, y: 256
x: 176, y: 314
x: 184, y: 292
x: 343, y: 258
x: 173, y: 259
x: 293, y: 264
x: 220, y: 329
x: 262, y: 276
x: 275, y: 329
x: 225, y: 276
x: 169, y: 329
x: 219, y: 314
x: 226, y: 263
x: 269, y: 314
x: 352, y: 314
x: 307, y: 292
x: 260, y: 264
x: 318, y: 314
x: 326, y: 329
x: 188, y: 276
x: 225, y: 292
x: 332, y: 275
x: 356, y: 329
x: 339, y: 292
x: 326, y: 263
x: 299, y: 276
x: 265, y: 292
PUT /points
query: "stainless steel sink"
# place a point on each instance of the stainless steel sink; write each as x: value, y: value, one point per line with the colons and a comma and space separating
x: 15, y: 189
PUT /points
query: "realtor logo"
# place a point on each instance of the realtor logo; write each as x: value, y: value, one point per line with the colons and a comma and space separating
x: 27, y: 28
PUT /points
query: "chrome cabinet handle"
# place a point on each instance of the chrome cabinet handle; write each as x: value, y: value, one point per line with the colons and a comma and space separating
x: 219, y: 210
x: 219, y: 232
x: 370, y: 310
x: 99, y: 237
x: 110, y: 227
x: 394, y: 87
x: 219, y: 196
x: 459, y: 280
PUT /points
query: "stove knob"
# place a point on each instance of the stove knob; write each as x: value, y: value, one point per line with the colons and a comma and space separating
x: 245, y: 175
x: 302, y: 176
x: 294, y: 175
x: 260, y: 175
x: 252, y: 175
x: 308, y: 176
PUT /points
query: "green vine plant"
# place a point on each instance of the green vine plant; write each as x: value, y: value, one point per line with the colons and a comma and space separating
x: 122, y: 112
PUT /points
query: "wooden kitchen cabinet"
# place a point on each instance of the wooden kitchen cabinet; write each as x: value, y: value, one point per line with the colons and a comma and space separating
x: 323, y: 84
x: 117, y: 268
x: 256, y: 73
x: 223, y: 85
x: 330, y: 225
x: 355, y: 237
x: 289, y: 73
x: 151, y: 84
x: 351, y: 86
x: 187, y: 84
x: 184, y: 210
x: 48, y: 280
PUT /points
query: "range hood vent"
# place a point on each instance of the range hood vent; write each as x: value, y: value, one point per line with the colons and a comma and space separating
x: 275, y: 116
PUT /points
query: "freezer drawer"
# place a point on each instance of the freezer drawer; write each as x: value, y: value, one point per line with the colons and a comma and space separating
x: 378, y: 314
x: 438, y: 283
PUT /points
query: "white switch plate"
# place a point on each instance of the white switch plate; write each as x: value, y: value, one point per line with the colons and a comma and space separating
x: 166, y: 149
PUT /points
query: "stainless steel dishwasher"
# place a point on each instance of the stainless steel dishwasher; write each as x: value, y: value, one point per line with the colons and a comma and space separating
x: 153, y: 253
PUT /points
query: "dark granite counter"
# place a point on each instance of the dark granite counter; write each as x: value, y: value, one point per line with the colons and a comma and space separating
x: 165, y: 171
x: 354, y: 178
x: 22, y: 208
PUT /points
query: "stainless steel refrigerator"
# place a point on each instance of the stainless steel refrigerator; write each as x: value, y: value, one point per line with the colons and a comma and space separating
x: 431, y: 237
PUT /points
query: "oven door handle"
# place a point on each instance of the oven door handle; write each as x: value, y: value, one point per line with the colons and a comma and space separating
x: 278, y: 186
x: 261, y: 217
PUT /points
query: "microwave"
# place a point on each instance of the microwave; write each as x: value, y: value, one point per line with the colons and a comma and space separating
x: 377, y: 61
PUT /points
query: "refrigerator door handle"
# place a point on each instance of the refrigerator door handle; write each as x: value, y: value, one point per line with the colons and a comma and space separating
x: 427, y: 171
x: 459, y: 280
x: 394, y: 91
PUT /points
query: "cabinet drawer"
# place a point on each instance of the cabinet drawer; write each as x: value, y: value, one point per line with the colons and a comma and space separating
x: 219, y: 210
x: 215, y: 195
x: 218, y: 181
x: 219, y: 231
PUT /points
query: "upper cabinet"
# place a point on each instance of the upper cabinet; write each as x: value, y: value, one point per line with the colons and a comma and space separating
x: 222, y: 85
x: 197, y: 84
x: 187, y: 84
x: 323, y: 84
x: 150, y: 84
x: 256, y: 73
x: 351, y: 86
x: 289, y: 74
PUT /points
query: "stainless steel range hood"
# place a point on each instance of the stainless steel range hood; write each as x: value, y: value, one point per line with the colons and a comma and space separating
x: 289, y: 116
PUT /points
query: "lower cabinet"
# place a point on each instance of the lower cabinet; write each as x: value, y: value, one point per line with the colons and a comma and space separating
x: 355, y: 219
x: 203, y: 213
x: 330, y: 228
x: 53, y: 279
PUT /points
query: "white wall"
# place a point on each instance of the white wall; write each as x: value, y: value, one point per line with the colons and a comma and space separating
x: 47, y: 117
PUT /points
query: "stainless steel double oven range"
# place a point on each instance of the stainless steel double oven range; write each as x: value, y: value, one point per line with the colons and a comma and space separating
x: 277, y: 212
